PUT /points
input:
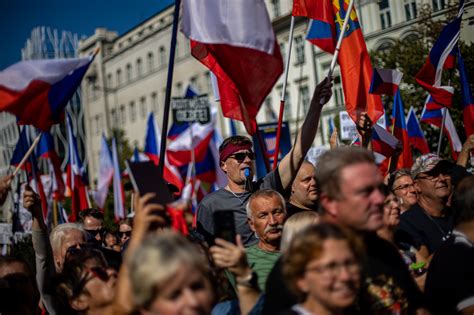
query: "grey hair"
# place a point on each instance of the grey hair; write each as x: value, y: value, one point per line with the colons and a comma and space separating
x: 266, y: 193
x: 157, y: 260
x: 57, y: 234
x: 296, y: 223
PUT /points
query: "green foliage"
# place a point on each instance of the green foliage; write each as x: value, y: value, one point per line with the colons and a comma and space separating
x: 409, y: 55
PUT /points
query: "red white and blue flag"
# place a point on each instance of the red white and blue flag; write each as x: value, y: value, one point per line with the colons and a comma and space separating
x: 466, y: 98
x: 37, y: 91
x: 383, y: 143
x: 119, y: 196
x: 45, y: 150
x: 430, y: 75
x: 385, y: 81
x: 400, y: 132
x: 76, y: 182
x: 106, y: 173
x: 235, y: 40
x: 354, y: 60
x: 416, y: 136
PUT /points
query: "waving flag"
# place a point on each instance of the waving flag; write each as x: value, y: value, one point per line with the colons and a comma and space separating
x: 383, y: 143
x: 429, y: 76
x: 45, y: 150
x: 76, y: 176
x: 106, y: 172
x: 466, y: 98
x: 37, y: 91
x: 21, y: 148
x: 119, y: 196
x: 354, y: 60
x: 401, y: 132
x: 435, y: 118
x: 416, y: 137
x: 235, y: 40
x: 385, y: 81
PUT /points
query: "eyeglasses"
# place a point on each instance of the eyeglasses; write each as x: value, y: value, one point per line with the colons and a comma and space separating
x: 91, y: 273
x: 433, y: 175
x: 240, y: 157
x: 333, y: 269
x: 96, y: 232
x: 403, y: 187
x: 126, y: 233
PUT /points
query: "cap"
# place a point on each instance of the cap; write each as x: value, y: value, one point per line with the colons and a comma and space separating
x: 426, y: 163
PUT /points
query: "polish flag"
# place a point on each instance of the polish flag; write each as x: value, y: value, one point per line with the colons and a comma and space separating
x: 235, y: 40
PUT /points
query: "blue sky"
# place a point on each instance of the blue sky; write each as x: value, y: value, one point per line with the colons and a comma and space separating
x: 19, y: 17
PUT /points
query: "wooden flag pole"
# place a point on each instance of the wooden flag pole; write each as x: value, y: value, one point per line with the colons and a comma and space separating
x: 27, y: 154
x: 169, y: 84
x: 283, y: 94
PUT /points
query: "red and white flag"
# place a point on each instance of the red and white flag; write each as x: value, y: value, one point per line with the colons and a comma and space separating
x: 235, y: 40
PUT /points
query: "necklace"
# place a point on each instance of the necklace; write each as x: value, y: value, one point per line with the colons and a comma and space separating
x: 445, y: 235
x: 237, y: 195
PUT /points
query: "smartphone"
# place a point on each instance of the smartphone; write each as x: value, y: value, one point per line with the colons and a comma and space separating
x: 146, y: 178
x: 224, y: 225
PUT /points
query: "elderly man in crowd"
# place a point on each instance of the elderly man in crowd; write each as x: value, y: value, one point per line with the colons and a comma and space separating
x: 236, y: 160
x: 429, y: 222
x: 350, y: 195
x: 93, y: 222
x: 304, y: 190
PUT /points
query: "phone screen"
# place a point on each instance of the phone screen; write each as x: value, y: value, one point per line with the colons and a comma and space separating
x: 146, y: 178
x: 224, y: 225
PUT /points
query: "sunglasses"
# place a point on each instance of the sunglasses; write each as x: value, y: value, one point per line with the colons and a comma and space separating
x: 96, y: 232
x: 240, y: 157
x: 126, y: 233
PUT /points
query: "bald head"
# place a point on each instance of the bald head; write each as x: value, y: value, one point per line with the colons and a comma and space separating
x: 304, y: 190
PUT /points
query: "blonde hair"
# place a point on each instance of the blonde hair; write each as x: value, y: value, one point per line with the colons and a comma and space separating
x: 296, y: 223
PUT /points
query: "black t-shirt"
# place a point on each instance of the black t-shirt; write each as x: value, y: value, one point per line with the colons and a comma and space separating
x: 449, y: 284
x: 424, y: 229
x: 224, y: 200
x: 388, y: 286
x: 292, y: 209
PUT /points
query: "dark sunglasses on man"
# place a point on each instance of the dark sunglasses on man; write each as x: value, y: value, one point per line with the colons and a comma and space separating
x: 96, y: 232
x: 126, y: 233
x: 240, y: 157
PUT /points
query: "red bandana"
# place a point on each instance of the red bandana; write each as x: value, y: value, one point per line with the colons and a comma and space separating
x: 232, y: 148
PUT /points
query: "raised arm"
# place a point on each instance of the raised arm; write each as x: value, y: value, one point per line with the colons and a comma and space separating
x: 290, y: 164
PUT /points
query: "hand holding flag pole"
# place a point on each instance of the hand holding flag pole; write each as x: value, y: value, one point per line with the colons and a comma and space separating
x: 27, y: 154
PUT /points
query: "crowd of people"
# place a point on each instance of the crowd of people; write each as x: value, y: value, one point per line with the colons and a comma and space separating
x: 332, y: 238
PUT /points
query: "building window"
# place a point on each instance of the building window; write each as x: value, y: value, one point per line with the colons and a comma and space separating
x: 269, y: 113
x: 139, y: 67
x: 143, y: 108
x: 194, y: 83
x: 109, y: 80
x: 410, y: 9
x: 209, y: 83
x: 129, y: 72
x: 287, y: 114
x: 162, y: 56
x: 385, y: 17
x: 179, y: 89
x: 299, y: 44
x: 338, y: 92
x: 276, y: 8
x: 123, y: 115
x: 150, y: 61
x: 119, y: 77
x: 304, y: 97
x: 438, y: 5
x: 113, y: 113
x: 133, y: 112
x: 283, y: 51
x: 154, y: 102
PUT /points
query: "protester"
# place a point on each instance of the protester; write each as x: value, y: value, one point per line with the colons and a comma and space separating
x: 111, y: 241
x: 403, y: 186
x: 467, y: 148
x: 429, y: 222
x: 351, y: 196
x: 450, y: 280
x: 322, y: 267
x: 93, y: 222
x: 236, y: 158
x: 294, y: 224
x: 304, y: 191
x: 125, y: 230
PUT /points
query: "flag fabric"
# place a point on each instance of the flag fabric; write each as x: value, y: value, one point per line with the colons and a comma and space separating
x: 76, y: 176
x: 235, y: 40
x: 430, y: 75
x: 37, y: 91
x: 354, y: 60
x: 435, y: 118
x: 119, y: 196
x: 383, y: 143
x: 416, y: 136
x: 138, y: 156
x: 20, y: 150
x: 106, y: 173
x: 400, y: 132
x: 45, y: 150
x: 385, y: 81
x: 466, y: 97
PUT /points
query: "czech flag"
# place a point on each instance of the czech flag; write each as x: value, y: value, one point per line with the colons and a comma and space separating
x: 235, y: 40
x: 383, y: 143
x: 45, y: 150
x: 415, y: 133
x: 76, y: 176
x: 429, y: 77
x: 354, y: 59
x: 106, y: 173
x: 119, y: 196
x: 385, y: 81
x: 400, y: 132
x: 37, y: 91
x: 466, y: 98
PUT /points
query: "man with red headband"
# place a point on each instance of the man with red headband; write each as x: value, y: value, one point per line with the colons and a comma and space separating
x: 236, y: 160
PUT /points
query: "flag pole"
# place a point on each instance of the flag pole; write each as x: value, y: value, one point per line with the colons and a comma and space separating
x: 440, y: 140
x: 283, y: 94
x: 27, y: 154
x: 169, y: 83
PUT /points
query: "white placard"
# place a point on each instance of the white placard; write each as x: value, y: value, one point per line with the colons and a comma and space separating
x: 348, y: 128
